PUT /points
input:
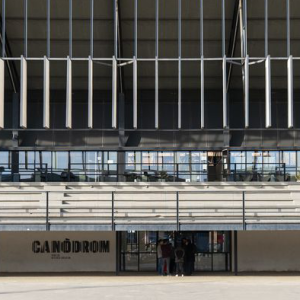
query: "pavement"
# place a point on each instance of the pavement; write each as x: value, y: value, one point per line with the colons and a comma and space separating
x: 145, y: 286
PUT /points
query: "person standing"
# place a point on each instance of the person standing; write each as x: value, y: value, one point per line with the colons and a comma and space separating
x: 166, y: 249
x: 179, y: 260
x: 159, y: 258
x: 189, y: 257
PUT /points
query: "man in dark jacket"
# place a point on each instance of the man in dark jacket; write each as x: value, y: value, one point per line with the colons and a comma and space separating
x: 190, y: 252
x: 166, y: 249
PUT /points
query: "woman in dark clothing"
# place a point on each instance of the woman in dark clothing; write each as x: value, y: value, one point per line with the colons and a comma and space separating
x: 189, y: 257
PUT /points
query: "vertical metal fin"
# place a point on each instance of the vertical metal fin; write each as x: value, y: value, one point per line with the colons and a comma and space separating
x: 247, y: 115
x: 114, y: 93
x: 202, y: 93
x: 290, y: 92
x: 135, y: 93
x: 225, y: 123
x: 69, y: 94
x: 179, y: 93
x: 90, y: 94
x: 2, y: 78
x: 156, y: 64
x: 23, y: 93
x: 3, y: 28
x: 156, y: 95
x: 46, y: 106
x: 268, y: 92
x: 179, y: 64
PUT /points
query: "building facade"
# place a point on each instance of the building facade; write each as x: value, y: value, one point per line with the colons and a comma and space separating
x: 128, y: 121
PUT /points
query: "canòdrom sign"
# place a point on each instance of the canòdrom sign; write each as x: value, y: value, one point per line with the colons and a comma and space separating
x: 57, y: 251
x: 69, y: 246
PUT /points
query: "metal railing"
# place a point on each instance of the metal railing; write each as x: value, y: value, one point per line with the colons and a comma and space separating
x: 132, y: 210
x: 148, y: 172
x: 24, y: 172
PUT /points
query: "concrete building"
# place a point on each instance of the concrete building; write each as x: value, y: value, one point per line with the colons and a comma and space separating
x: 128, y: 121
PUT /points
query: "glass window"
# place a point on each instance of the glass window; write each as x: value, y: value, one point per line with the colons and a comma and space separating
x: 5, y: 166
x: 237, y: 160
x: 271, y: 157
x: 199, y: 166
x: 60, y: 162
x: 270, y: 165
x: 91, y: 160
x: 110, y: 167
x: 254, y: 161
x: 166, y: 161
x: 290, y: 163
x: 4, y: 158
x: 46, y: 159
x: 183, y: 167
x: 289, y: 158
x: 76, y: 160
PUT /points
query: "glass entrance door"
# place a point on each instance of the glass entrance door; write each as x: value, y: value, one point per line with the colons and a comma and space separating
x: 139, y: 249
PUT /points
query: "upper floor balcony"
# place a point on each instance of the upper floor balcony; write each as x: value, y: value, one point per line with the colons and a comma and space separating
x: 149, y: 166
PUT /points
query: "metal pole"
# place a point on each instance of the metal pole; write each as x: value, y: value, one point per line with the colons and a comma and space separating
x: 288, y: 31
x: 246, y: 74
x: 157, y: 28
x: 115, y: 29
x: 48, y: 28
x: 225, y: 123
x: 202, y: 93
x: 202, y: 67
x: 135, y: 65
x: 46, y: 94
x: 114, y: 92
x: 25, y: 28
x: 70, y: 28
x: 179, y: 64
x: 3, y: 28
x: 69, y: 94
x: 266, y: 29
x: 268, y: 92
x: 290, y: 92
x: 23, y: 93
x: 224, y: 68
x: 245, y: 27
x: 135, y: 27
x: 201, y: 28
x: 156, y: 94
x: 223, y: 29
x: 2, y: 91
x: 92, y: 28
x: 90, y: 93
x: 156, y: 64
x: 134, y: 93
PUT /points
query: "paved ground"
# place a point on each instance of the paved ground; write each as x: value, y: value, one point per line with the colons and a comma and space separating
x: 244, y: 287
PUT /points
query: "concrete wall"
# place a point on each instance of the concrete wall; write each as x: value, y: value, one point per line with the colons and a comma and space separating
x: 17, y: 252
x: 269, y: 251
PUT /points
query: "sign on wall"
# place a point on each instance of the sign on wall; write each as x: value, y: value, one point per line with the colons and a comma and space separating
x: 57, y: 252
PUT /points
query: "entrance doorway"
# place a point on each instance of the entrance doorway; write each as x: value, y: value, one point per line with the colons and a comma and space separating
x: 138, y: 249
